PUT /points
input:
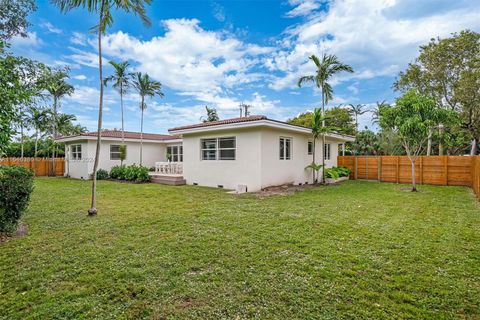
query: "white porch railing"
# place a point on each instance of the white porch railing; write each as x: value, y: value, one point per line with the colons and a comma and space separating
x: 169, y: 167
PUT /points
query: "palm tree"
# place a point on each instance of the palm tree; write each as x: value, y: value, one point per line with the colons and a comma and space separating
x: 57, y: 86
x: 146, y: 87
x: 39, y: 119
x: 121, y: 82
x: 316, y: 129
x: 357, y: 110
x: 376, y: 111
x: 105, y: 19
x: 325, y: 69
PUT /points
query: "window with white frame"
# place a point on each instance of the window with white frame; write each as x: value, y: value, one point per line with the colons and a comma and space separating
x: 285, y: 148
x: 326, y: 151
x: 310, y: 147
x: 76, y: 151
x: 218, y: 148
x: 175, y: 153
x: 115, y: 153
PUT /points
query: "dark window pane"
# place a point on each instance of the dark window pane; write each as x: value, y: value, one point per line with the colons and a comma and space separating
x: 282, y: 151
x: 227, y: 154
x: 226, y: 143
x: 209, y: 143
x: 114, y: 148
x: 209, y: 154
x: 287, y: 149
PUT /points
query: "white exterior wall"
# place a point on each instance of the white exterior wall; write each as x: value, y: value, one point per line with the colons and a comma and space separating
x: 82, y: 169
x: 277, y: 172
x: 245, y: 169
x: 77, y: 168
x: 257, y: 164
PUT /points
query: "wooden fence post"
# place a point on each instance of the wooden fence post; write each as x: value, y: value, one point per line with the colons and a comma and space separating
x: 379, y: 168
x: 356, y: 168
x: 366, y: 167
x: 398, y: 169
x: 445, y: 163
x: 421, y: 169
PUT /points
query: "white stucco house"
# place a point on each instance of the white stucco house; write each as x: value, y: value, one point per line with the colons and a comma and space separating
x: 251, y: 152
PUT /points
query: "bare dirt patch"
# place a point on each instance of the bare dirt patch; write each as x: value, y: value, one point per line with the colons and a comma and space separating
x: 22, y: 230
x: 288, y: 189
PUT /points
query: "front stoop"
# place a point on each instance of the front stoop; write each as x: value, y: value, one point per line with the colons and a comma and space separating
x: 172, y: 180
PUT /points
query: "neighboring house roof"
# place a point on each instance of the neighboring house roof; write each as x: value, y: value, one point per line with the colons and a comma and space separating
x: 117, y: 134
x: 250, y: 121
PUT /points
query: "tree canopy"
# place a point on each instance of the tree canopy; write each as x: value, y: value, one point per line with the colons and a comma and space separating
x: 338, y: 119
x: 448, y: 71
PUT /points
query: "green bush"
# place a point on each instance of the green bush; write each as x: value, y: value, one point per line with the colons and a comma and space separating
x: 130, y: 173
x: 16, y: 185
x: 102, y: 174
x: 337, y: 172
x: 117, y: 172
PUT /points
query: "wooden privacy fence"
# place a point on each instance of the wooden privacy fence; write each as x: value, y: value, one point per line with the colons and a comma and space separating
x: 41, y: 166
x: 436, y: 170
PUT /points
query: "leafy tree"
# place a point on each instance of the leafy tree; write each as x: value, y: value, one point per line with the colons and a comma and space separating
x: 13, y: 17
x: 146, y: 87
x: 104, y: 9
x: 18, y: 88
x: 211, y: 114
x: 327, y: 67
x: 22, y: 122
x: 121, y: 80
x: 411, y: 118
x: 449, y: 71
x: 338, y: 118
x: 366, y: 143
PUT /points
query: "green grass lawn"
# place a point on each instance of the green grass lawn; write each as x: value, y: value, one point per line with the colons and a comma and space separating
x: 357, y: 250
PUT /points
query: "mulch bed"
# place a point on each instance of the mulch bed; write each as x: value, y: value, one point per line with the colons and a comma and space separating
x: 22, y: 230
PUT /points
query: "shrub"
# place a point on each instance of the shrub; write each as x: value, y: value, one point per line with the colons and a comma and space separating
x: 117, y: 172
x: 102, y: 174
x: 16, y: 185
x: 337, y: 172
x: 130, y: 173
x: 332, y: 173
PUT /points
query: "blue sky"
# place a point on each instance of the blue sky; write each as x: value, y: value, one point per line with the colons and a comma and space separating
x: 222, y: 53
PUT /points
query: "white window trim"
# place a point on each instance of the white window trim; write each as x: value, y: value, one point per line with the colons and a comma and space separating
x: 75, y: 154
x: 327, y: 151
x: 116, y: 152
x: 179, y: 152
x: 217, y: 148
x: 284, y: 155
x: 310, y: 142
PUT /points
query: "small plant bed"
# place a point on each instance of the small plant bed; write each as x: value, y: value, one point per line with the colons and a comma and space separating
x: 336, y: 174
x: 131, y: 174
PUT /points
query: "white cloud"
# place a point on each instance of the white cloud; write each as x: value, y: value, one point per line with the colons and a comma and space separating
x: 32, y: 40
x: 302, y: 7
x: 50, y: 27
x: 79, y: 39
x: 218, y: 12
x: 190, y: 59
x: 367, y: 35
x: 80, y: 77
x: 84, y: 58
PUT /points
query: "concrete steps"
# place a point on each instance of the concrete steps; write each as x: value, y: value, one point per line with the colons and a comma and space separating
x: 172, y: 180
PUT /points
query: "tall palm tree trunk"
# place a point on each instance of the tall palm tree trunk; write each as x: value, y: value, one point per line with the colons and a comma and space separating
x: 93, y: 210
x: 323, y: 136
x: 141, y: 135
x: 123, y: 126
x: 314, y: 150
x: 54, y: 132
